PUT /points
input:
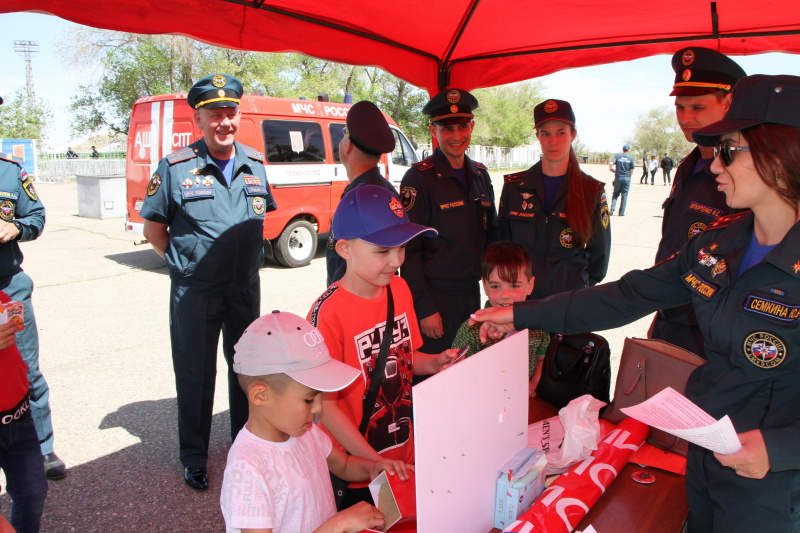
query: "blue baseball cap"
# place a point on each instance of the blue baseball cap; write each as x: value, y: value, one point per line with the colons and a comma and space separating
x: 375, y: 215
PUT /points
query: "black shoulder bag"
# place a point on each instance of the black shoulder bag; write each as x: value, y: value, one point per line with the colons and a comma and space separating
x: 378, y: 373
x: 575, y: 365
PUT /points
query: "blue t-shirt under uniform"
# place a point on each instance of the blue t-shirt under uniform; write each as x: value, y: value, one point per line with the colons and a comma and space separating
x: 226, y: 168
x: 755, y: 254
x: 551, y: 184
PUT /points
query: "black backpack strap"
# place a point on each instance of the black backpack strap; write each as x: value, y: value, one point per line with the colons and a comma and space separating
x: 380, y: 365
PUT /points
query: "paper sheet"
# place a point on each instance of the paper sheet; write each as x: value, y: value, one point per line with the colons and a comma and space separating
x: 672, y: 412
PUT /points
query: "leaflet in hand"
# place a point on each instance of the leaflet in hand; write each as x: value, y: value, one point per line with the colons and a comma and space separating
x: 672, y: 412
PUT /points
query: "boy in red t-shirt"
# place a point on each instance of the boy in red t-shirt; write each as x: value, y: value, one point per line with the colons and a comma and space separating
x: 371, y: 228
x: 20, y: 455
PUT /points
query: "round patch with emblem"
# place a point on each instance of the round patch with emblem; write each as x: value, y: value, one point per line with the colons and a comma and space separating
x: 218, y: 81
x: 259, y: 205
x: 695, y: 228
x: 764, y: 350
x: 687, y: 58
x: 550, y: 106
x: 155, y: 183
x: 453, y: 96
x: 408, y: 195
x: 7, y: 210
x: 687, y: 75
x: 566, y: 238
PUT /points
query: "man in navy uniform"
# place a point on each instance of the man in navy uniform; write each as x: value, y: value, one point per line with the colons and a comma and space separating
x: 622, y: 166
x: 204, y: 213
x: 22, y: 219
x: 365, y: 138
x: 453, y: 194
x: 703, y: 91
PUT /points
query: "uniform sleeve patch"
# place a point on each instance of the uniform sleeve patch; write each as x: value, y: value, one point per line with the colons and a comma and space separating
x: 154, y: 185
x: 27, y: 186
x: 699, y: 286
x: 762, y: 306
x: 408, y: 195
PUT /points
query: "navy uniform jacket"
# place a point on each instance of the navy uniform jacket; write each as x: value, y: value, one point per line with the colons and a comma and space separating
x: 216, y: 232
x: 18, y: 202
x: 466, y: 221
x: 557, y: 265
x: 336, y: 265
x: 750, y: 326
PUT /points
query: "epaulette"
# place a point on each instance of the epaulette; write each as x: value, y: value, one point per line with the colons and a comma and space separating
x: 725, y: 221
x: 481, y: 166
x: 513, y: 178
x: 184, y: 154
x: 9, y: 157
x: 252, y: 153
x: 425, y: 164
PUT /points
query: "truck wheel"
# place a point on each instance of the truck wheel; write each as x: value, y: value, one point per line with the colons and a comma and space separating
x: 297, y: 244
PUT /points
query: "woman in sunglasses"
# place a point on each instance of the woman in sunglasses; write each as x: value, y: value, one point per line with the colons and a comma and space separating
x: 742, y: 275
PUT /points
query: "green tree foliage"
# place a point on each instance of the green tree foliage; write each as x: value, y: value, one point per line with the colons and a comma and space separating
x: 20, y: 119
x: 657, y: 133
x: 505, y: 115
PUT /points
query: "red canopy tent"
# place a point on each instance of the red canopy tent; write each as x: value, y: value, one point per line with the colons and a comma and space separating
x: 459, y: 43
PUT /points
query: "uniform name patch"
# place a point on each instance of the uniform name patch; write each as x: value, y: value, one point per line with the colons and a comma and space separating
x: 188, y: 194
x: 521, y: 214
x: 764, y: 350
x: 255, y: 190
x: 9, y: 195
x: 761, y: 306
x: 705, y: 209
x: 699, y: 286
x: 451, y: 205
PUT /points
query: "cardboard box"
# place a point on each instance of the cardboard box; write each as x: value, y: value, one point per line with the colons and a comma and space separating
x: 12, y: 312
x: 396, y: 499
x: 521, y: 481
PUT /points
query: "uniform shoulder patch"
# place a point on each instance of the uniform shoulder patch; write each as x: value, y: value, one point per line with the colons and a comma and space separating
x: 184, y: 154
x: 11, y: 158
x: 252, y: 153
x: 425, y: 164
x: 723, y: 222
x: 513, y: 178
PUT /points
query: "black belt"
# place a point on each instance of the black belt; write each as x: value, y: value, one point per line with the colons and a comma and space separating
x: 18, y: 412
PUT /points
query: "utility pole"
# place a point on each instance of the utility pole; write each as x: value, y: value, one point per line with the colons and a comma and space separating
x: 26, y: 49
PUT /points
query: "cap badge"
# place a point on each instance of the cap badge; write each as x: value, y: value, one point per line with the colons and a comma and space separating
x: 687, y: 58
x: 397, y: 207
x: 454, y: 108
x: 218, y: 81
x: 551, y: 106
x: 221, y: 93
x: 687, y: 75
x: 453, y: 96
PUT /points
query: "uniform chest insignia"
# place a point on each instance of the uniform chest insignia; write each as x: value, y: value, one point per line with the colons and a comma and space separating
x: 764, y: 349
x: 796, y: 267
x: 525, y: 195
x: 259, y: 206
x: 197, y: 181
x: 207, y: 181
x: 525, y: 205
x: 695, y: 228
x: 705, y: 209
x: 719, y: 268
x: 187, y: 183
x: 778, y: 310
x: 155, y: 183
x: 713, y: 247
x: 6, y: 210
x: 451, y: 205
x: 566, y: 239
x: 194, y: 171
x: 699, y: 286
x: 252, y: 180
x: 705, y: 258
x: 408, y: 195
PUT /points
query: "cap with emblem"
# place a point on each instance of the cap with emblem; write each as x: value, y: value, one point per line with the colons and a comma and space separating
x: 216, y: 90
x: 451, y: 106
x: 368, y: 130
x: 700, y: 71
x: 284, y: 343
x: 758, y: 99
x: 553, y: 110
x: 373, y: 214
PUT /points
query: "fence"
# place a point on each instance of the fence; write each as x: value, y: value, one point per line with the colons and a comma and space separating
x: 495, y: 157
x: 61, y: 169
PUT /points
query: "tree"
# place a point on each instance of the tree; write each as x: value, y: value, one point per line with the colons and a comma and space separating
x: 19, y: 119
x: 505, y: 114
x: 657, y: 133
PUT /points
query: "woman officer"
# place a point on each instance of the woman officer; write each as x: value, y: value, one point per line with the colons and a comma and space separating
x: 742, y: 274
x: 556, y: 211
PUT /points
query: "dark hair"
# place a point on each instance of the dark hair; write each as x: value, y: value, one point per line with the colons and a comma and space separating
x: 508, y: 258
x: 775, y: 150
x: 582, y: 194
x: 277, y: 382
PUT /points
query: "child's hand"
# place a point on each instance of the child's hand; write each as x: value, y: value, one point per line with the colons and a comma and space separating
x: 356, y: 519
x: 445, y: 359
x: 392, y: 468
x: 8, y: 333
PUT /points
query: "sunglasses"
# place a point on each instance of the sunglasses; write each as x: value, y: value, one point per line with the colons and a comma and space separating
x: 724, y: 151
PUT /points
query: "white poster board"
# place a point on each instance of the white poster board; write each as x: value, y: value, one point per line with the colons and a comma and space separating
x: 468, y: 421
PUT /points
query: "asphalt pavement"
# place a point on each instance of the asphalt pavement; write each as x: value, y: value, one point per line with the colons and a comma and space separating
x: 101, y: 304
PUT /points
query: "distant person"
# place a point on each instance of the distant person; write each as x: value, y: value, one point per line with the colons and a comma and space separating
x: 556, y: 211
x: 667, y: 164
x: 22, y: 218
x: 276, y: 478
x: 645, y: 170
x: 453, y: 194
x: 653, y: 166
x: 507, y: 278
x: 366, y: 137
x: 703, y: 91
x: 20, y: 453
x: 71, y: 154
x: 95, y: 153
x: 622, y: 166
x: 371, y: 229
x: 204, y: 213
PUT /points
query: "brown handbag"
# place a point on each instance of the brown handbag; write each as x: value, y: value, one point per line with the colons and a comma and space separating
x: 648, y: 366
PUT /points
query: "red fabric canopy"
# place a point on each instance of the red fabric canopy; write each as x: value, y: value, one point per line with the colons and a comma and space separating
x: 454, y: 43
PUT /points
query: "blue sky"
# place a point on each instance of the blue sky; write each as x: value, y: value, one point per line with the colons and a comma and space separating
x: 607, y: 99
